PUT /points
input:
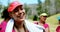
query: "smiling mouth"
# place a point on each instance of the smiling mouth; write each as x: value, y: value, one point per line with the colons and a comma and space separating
x: 21, y: 17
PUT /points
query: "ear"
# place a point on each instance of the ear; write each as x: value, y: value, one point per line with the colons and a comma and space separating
x: 10, y: 14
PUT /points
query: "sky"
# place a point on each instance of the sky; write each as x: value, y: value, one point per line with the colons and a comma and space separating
x: 5, y: 2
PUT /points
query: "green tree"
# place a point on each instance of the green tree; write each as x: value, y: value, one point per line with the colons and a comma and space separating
x: 26, y: 7
x: 47, y: 7
x: 1, y: 8
x: 39, y: 8
x: 57, y: 6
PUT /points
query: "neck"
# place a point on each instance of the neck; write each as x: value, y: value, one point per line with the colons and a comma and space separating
x: 42, y: 22
x: 19, y: 25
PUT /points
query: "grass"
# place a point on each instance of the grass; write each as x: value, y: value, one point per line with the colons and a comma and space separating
x: 53, y: 22
x: 1, y: 20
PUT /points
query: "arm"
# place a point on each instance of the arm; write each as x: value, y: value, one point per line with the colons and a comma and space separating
x: 47, y: 29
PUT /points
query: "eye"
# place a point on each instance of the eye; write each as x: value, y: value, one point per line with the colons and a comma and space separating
x: 21, y: 8
x: 16, y: 10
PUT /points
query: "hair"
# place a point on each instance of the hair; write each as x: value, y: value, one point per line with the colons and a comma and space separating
x: 5, y: 14
x: 59, y: 19
x: 35, y: 18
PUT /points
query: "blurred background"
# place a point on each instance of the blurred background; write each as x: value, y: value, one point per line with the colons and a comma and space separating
x: 35, y: 7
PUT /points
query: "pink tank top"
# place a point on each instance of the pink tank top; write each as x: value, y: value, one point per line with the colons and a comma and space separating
x: 3, y: 26
x: 58, y: 29
x: 45, y: 25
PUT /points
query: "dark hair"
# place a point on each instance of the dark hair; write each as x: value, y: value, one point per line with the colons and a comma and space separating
x: 59, y: 19
x: 35, y: 18
x: 5, y: 14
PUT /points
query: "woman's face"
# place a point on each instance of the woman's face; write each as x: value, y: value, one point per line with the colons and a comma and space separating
x: 43, y: 18
x: 18, y: 14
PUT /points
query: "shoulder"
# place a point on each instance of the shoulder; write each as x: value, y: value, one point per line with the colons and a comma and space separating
x: 0, y: 27
x: 3, y: 25
x: 3, y: 22
x: 35, y: 22
x: 58, y: 27
x: 46, y: 25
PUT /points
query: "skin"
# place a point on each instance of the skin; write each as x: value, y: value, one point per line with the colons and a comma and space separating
x: 59, y: 22
x: 19, y: 16
x: 42, y: 22
x: 43, y: 19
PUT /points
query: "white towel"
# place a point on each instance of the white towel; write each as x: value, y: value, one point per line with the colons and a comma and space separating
x: 30, y: 26
x: 10, y: 25
x: 33, y: 27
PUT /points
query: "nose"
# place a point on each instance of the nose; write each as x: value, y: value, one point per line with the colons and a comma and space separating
x: 20, y: 12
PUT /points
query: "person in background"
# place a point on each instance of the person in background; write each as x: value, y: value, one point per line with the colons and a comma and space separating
x: 42, y: 22
x: 35, y: 18
x: 58, y: 27
x: 6, y: 17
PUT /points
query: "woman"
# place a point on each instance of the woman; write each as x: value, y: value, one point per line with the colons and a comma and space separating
x: 17, y: 22
x: 42, y: 22
x: 35, y: 18
x: 58, y: 27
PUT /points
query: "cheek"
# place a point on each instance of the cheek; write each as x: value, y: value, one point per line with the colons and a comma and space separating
x: 43, y: 18
x: 16, y: 13
x: 14, y: 16
x: 24, y: 16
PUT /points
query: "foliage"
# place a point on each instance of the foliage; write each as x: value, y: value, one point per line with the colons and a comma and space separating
x: 35, y: 18
x: 40, y: 8
x: 26, y: 8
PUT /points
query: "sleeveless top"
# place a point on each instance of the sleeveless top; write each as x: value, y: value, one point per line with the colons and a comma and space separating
x: 58, y: 29
x: 3, y: 27
x: 45, y: 25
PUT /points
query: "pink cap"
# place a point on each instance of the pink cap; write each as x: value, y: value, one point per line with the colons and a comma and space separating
x: 13, y: 5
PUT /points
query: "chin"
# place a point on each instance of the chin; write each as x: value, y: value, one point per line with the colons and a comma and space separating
x: 21, y: 20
